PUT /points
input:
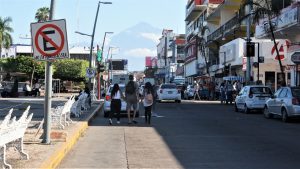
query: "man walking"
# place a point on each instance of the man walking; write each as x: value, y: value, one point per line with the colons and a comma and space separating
x: 131, y: 95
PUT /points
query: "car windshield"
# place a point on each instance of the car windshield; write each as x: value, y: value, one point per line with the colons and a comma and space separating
x: 260, y: 90
x: 296, y: 92
x: 168, y: 86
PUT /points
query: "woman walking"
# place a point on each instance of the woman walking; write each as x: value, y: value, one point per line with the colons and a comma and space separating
x: 115, y: 105
x: 148, y: 101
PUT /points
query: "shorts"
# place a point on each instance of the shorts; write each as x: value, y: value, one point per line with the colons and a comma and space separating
x: 131, y: 101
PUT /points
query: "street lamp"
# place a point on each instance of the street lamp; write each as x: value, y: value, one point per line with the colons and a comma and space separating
x: 99, y: 76
x: 92, y: 41
x: 109, y: 52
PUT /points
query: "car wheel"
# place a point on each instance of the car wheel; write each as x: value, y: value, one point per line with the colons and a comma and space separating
x: 178, y: 101
x: 159, y: 101
x: 246, y: 109
x: 267, y: 114
x: 106, y: 114
x: 235, y: 108
x: 285, y: 117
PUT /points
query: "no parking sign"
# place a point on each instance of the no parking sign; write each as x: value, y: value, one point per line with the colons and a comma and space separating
x: 49, y: 40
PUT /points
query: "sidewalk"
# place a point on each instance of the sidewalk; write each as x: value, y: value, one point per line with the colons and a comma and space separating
x: 62, y: 141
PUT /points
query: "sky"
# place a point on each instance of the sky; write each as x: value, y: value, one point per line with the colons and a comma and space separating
x: 80, y: 16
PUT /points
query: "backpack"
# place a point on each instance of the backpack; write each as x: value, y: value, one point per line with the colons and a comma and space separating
x: 149, y: 98
x: 130, y: 88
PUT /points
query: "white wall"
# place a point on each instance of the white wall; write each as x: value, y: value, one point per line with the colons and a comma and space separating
x: 190, y: 68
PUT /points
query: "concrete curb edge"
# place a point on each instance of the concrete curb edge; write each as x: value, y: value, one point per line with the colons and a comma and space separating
x: 54, y: 160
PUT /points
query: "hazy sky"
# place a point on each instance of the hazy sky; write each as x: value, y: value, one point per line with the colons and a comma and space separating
x: 80, y: 16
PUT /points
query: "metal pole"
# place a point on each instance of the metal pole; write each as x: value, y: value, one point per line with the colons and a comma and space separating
x: 91, y: 49
x: 48, y: 92
x: 248, y: 70
x: 166, y: 54
x: 258, y: 62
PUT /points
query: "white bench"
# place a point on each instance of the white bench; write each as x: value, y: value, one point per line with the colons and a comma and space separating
x: 61, y: 115
x: 11, y: 135
x: 82, y: 102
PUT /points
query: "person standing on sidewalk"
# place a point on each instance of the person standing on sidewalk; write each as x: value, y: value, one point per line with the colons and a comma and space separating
x: 115, y: 105
x: 196, y: 93
x: 148, y: 101
x: 131, y: 95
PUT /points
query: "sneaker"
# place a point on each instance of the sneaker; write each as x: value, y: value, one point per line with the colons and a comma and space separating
x: 135, y: 122
x: 110, y: 121
x: 118, y: 122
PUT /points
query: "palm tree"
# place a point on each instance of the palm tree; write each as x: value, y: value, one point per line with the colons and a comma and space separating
x: 5, y: 30
x: 42, y: 14
x: 262, y: 12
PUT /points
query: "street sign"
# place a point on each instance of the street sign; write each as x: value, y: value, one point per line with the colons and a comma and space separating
x: 49, y: 40
x: 90, y: 72
x: 296, y: 57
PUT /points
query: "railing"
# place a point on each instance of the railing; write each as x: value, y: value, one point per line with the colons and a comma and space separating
x: 229, y: 25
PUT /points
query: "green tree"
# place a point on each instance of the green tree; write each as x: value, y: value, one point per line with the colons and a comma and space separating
x: 42, y: 14
x: 70, y: 69
x: 24, y: 64
x: 5, y: 30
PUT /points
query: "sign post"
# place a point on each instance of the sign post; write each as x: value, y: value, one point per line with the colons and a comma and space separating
x: 49, y: 42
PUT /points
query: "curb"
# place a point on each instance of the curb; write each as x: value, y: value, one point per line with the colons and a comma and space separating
x: 54, y: 160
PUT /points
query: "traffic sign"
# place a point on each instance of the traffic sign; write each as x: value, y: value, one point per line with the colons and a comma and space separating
x: 49, y: 40
x: 90, y: 72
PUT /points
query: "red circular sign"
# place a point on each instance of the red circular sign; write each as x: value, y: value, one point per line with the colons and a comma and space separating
x: 58, y: 48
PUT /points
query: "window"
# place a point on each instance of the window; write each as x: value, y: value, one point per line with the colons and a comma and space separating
x: 283, y: 93
x: 277, y: 93
x: 260, y: 90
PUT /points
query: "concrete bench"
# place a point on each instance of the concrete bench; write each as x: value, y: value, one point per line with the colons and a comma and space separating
x: 11, y: 135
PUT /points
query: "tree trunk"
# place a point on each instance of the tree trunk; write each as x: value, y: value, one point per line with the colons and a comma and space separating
x: 32, y: 74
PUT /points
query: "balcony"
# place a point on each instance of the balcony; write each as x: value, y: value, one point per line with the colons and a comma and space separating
x: 194, y: 9
x: 284, y: 24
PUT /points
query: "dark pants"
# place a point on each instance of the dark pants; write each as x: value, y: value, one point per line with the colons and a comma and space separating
x: 115, y: 108
x: 148, y: 114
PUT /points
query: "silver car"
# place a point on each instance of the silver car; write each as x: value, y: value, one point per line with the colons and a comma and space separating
x: 107, y: 101
x: 252, y: 97
x: 285, y: 103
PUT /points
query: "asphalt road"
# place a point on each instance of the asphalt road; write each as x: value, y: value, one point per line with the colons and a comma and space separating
x: 193, y: 135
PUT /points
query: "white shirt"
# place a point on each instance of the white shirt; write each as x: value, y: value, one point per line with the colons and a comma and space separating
x: 117, y: 95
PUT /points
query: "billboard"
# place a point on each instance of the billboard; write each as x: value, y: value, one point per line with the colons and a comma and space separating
x: 118, y: 64
x: 148, y: 61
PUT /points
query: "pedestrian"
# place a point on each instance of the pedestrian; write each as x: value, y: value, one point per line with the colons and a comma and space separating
x: 131, y: 95
x: 27, y: 89
x: 36, y: 89
x: 154, y: 113
x: 148, y: 101
x: 222, y: 92
x: 115, y: 105
x: 228, y: 90
x: 196, y: 93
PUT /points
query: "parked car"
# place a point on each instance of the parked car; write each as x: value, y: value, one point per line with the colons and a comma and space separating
x: 285, y: 103
x: 107, y: 101
x: 168, y: 91
x: 189, y: 92
x: 252, y: 97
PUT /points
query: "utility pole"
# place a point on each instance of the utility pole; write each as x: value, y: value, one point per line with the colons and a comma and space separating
x: 166, y: 55
x: 48, y: 92
x: 248, y: 70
